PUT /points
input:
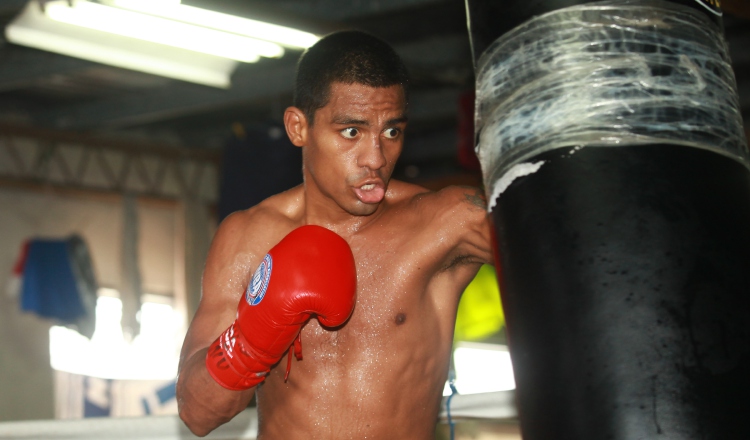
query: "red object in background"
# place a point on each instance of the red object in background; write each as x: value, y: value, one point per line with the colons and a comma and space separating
x: 467, y: 158
x: 21, y: 261
x: 13, y: 287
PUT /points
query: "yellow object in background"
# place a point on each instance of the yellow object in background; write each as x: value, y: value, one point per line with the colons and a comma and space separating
x: 480, y: 313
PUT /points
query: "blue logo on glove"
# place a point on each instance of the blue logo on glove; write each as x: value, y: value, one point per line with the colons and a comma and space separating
x: 256, y: 290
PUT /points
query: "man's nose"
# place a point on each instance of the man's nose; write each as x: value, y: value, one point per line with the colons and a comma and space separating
x: 371, y: 154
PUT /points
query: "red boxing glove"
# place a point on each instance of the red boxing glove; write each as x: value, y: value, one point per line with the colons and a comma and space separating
x: 310, y: 272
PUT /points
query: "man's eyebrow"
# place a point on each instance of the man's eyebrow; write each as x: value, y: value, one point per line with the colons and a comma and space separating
x: 348, y: 120
x: 396, y: 121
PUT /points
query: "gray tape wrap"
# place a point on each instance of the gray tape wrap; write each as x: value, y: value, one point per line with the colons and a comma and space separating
x: 606, y: 74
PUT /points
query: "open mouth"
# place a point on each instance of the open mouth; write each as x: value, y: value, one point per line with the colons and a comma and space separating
x: 370, y: 193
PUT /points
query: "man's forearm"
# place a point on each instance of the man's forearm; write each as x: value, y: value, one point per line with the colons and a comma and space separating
x: 203, y: 404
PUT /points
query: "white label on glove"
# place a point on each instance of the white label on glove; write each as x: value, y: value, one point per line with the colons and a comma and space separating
x: 259, y: 283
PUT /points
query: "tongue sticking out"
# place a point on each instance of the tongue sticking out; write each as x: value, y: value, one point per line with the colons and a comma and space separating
x: 370, y: 193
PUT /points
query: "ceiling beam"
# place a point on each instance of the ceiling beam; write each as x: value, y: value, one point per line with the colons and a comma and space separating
x: 11, y: 6
x: 308, y: 15
x: 347, y: 9
x: 270, y: 79
x: 21, y: 66
x: 164, y: 105
x: 175, y: 100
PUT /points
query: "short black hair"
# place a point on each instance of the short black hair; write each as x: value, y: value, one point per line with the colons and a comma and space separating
x: 348, y: 57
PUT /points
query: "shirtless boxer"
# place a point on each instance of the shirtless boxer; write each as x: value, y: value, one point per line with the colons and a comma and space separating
x: 381, y: 374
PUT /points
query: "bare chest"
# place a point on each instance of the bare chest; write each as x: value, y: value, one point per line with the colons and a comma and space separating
x: 400, y: 295
x: 395, y: 344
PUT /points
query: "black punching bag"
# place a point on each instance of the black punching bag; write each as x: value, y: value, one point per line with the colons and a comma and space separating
x: 617, y: 175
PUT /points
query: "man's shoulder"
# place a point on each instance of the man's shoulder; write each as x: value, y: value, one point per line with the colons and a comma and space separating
x: 459, y: 213
x: 400, y: 191
x: 274, y: 216
x: 441, y: 209
x: 455, y: 214
x: 454, y: 198
x: 447, y: 197
x: 282, y: 207
x: 468, y: 196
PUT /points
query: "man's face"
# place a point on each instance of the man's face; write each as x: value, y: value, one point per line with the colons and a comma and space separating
x: 351, y: 149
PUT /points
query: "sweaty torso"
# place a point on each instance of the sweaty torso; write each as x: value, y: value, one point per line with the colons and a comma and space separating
x: 381, y: 375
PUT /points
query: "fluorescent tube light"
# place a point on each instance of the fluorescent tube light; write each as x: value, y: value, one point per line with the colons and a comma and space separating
x: 160, y: 30
x: 34, y: 29
x: 238, y: 25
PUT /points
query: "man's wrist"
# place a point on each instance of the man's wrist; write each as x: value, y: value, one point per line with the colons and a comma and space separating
x: 230, y: 365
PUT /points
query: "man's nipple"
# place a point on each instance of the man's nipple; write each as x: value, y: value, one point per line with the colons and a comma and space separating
x: 400, y: 318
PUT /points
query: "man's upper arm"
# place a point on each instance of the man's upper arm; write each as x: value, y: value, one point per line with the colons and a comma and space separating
x: 468, y: 211
x: 224, y: 279
x: 203, y: 403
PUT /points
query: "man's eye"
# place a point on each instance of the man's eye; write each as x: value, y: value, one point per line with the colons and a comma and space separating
x: 391, y: 133
x: 349, y: 133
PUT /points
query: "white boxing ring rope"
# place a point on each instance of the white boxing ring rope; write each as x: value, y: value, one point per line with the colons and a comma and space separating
x: 495, y: 406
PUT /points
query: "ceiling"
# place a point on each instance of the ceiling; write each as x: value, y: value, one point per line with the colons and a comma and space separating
x: 57, y: 92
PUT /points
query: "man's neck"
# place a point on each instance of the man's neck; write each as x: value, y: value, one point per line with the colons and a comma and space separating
x: 325, y: 212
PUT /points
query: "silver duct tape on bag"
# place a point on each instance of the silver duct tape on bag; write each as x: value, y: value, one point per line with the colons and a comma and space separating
x: 606, y: 74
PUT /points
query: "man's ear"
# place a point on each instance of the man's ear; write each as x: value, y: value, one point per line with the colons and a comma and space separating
x: 296, y: 126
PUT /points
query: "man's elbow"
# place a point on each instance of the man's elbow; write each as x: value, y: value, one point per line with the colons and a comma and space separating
x: 202, y: 404
x: 193, y: 425
x: 200, y: 426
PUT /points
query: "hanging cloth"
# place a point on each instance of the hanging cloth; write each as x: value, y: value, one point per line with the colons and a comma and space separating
x: 58, y: 283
